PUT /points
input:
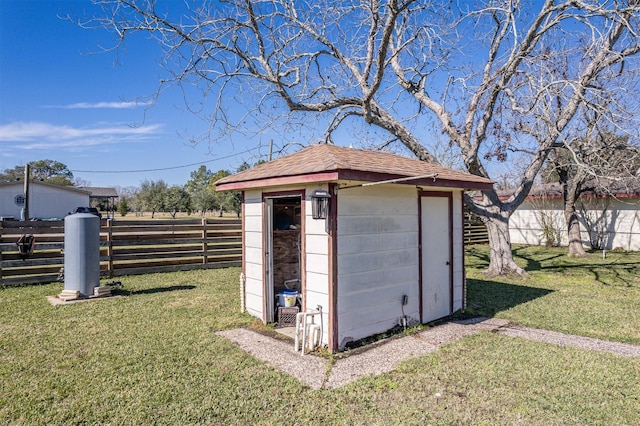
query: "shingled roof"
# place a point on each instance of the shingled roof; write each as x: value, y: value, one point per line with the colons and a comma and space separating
x: 330, y: 163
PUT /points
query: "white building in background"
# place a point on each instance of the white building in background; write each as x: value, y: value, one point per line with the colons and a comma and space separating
x: 606, y: 222
x: 46, y: 200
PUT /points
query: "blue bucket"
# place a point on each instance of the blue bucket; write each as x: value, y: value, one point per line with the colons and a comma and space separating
x: 287, y: 298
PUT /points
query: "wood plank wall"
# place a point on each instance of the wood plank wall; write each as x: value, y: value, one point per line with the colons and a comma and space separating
x: 475, y: 232
x: 127, y: 247
x: 131, y: 247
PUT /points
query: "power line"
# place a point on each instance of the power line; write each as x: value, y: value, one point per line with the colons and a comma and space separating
x: 163, y: 168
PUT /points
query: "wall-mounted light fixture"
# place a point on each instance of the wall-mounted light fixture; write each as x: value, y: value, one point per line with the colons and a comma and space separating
x: 320, y: 204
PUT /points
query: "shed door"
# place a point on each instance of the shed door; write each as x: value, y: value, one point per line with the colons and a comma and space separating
x: 283, y: 230
x: 436, y: 268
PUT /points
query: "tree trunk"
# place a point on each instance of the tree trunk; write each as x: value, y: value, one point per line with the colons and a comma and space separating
x: 573, y: 229
x: 571, y: 188
x: 501, y: 259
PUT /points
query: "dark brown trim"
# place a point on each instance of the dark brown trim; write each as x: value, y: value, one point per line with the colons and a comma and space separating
x: 303, y: 247
x: 278, y: 181
x: 464, y: 268
x: 333, y: 270
x: 449, y: 196
x: 420, y: 256
x: 283, y: 194
x: 243, y: 262
x: 440, y: 182
x: 356, y: 175
x: 244, y: 251
x: 451, y: 258
x: 263, y: 262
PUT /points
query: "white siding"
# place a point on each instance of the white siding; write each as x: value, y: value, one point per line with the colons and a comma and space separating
x: 253, y: 253
x: 316, y: 258
x: 377, y: 259
x: 524, y: 226
x: 317, y: 263
x: 45, y: 201
x: 617, y: 226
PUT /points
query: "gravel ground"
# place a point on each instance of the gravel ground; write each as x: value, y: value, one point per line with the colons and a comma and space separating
x: 384, y: 356
x: 561, y: 339
x: 308, y: 369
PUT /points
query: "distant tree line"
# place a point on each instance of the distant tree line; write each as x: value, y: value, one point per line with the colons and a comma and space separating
x: 198, y: 195
x: 49, y: 171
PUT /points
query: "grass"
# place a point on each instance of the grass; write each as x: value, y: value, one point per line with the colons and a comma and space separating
x: 591, y: 296
x: 151, y: 357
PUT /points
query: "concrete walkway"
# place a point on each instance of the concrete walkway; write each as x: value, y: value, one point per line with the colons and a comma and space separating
x: 384, y: 356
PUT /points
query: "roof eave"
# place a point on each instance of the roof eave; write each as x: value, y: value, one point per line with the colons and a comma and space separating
x: 422, y: 181
x: 353, y: 175
x: 277, y: 181
x: 47, y: 184
x: 464, y: 185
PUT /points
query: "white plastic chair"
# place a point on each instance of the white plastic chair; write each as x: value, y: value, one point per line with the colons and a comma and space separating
x: 308, y: 334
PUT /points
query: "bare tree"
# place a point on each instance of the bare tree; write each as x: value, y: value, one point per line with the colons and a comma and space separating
x: 502, y: 79
x: 549, y: 220
x: 598, y: 219
x: 597, y: 161
x: 572, y: 180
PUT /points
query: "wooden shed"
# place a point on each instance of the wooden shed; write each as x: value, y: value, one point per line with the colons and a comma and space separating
x: 386, y: 249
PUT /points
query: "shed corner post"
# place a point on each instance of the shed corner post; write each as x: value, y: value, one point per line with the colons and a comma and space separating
x: 463, y: 237
x: 110, y: 247
x: 333, y: 269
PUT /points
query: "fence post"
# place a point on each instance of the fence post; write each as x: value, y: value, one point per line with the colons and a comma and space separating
x: 1, y: 227
x: 205, y: 246
x: 110, y: 247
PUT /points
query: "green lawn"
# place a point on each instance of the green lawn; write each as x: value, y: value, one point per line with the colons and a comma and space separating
x: 151, y: 357
x: 591, y: 296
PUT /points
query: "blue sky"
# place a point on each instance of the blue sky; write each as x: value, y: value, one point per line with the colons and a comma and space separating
x: 64, y: 100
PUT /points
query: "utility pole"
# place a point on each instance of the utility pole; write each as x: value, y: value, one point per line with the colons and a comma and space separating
x: 270, y: 149
x: 25, y: 209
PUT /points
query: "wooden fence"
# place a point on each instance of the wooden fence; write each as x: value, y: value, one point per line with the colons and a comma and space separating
x: 475, y: 232
x: 132, y: 247
x: 127, y: 247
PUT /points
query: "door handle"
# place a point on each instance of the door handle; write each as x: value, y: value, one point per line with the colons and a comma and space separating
x: 448, y: 263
